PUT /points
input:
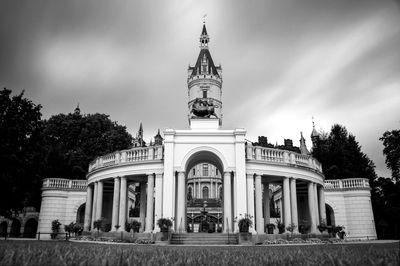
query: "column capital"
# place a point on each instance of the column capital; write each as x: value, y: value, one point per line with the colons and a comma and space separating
x: 249, y: 175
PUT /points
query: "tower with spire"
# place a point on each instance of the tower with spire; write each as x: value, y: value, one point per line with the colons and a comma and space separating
x: 314, y: 136
x: 205, y: 83
x: 139, y: 142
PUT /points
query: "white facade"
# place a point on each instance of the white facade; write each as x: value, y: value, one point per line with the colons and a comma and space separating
x: 163, y: 173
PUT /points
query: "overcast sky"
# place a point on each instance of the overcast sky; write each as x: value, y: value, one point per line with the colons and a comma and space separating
x: 283, y: 63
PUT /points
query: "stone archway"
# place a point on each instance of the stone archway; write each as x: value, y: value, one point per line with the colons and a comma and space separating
x: 203, y: 177
x: 3, y: 228
x: 80, y: 214
x: 330, y: 215
x: 30, y: 228
x: 15, y: 228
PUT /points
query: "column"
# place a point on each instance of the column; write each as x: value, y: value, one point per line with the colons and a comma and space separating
x: 287, y: 219
x: 293, y: 203
x: 250, y: 200
x: 122, y: 203
x: 94, y: 206
x: 322, y: 211
x: 194, y: 189
x: 267, y: 210
x: 158, y: 201
x: 99, y: 202
x: 311, y: 208
x: 115, y: 209
x: 142, y: 205
x: 181, y: 202
x: 259, y: 216
x: 227, y: 203
x: 199, y: 189
x: 150, y: 204
x: 316, y: 204
x: 88, y: 207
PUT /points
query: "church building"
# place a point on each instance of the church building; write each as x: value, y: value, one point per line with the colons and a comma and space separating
x: 206, y: 177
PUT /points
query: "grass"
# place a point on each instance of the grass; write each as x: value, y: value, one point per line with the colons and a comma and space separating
x: 69, y: 253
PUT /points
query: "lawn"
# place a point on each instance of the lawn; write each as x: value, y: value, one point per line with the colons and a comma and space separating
x: 70, y: 253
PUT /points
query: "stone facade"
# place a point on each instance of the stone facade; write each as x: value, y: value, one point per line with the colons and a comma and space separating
x: 161, y: 176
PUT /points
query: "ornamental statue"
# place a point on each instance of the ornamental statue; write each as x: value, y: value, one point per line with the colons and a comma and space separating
x: 203, y: 108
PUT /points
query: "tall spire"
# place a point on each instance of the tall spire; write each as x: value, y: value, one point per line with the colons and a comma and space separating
x: 204, y: 38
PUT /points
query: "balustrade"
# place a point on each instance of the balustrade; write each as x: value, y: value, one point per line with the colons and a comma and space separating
x: 64, y: 184
x: 127, y: 156
x: 282, y: 156
x: 346, y: 183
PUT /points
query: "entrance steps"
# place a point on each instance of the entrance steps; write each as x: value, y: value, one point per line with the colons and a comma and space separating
x: 204, y: 239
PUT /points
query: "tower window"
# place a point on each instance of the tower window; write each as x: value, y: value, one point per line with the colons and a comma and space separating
x: 216, y: 171
x: 204, y: 94
x: 194, y: 171
x: 205, y: 169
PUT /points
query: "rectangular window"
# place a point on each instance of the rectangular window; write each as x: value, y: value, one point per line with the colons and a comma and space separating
x: 205, y: 169
x: 216, y: 171
x: 204, y: 94
x: 194, y: 171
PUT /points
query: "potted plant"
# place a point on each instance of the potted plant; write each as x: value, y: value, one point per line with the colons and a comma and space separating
x: 98, y: 224
x: 77, y: 229
x: 304, y: 226
x: 245, y: 223
x: 69, y: 228
x: 291, y: 227
x: 280, y: 225
x: 135, y: 226
x: 55, y: 228
x: 322, y: 226
x: 164, y: 224
x: 270, y: 228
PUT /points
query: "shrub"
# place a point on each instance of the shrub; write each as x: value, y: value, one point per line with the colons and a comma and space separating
x: 55, y: 226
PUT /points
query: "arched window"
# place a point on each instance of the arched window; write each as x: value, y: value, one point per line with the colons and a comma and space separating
x: 220, y: 193
x: 205, y: 192
x: 189, y: 194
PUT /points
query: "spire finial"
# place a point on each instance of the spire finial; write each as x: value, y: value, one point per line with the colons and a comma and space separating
x: 204, y: 18
x: 313, y: 125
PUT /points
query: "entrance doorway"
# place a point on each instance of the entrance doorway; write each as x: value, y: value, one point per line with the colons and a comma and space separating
x: 204, y: 199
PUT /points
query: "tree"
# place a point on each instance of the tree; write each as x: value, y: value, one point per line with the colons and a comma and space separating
x: 341, y: 156
x: 391, y: 143
x: 73, y: 140
x: 20, y: 151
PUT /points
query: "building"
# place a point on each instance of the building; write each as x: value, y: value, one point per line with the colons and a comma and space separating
x: 207, y: 177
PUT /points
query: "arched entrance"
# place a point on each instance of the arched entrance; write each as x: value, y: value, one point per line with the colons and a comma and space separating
x: 80, y: 214
x: 330, y: 218
x: 3, y: 228
x: 330, y: 215
x: 30, y: 228
x: 15, y: 228
x: 203, y: 184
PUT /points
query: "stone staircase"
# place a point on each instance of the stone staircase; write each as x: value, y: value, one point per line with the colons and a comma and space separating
x: 204, y: 239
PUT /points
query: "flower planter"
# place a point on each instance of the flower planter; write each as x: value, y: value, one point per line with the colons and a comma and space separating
x: 245, y: 238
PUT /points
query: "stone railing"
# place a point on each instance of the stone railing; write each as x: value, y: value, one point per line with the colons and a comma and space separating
x: 346, y: 183
x: 126, y: 156
x: 59, y: 183
x: 282, y: 157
